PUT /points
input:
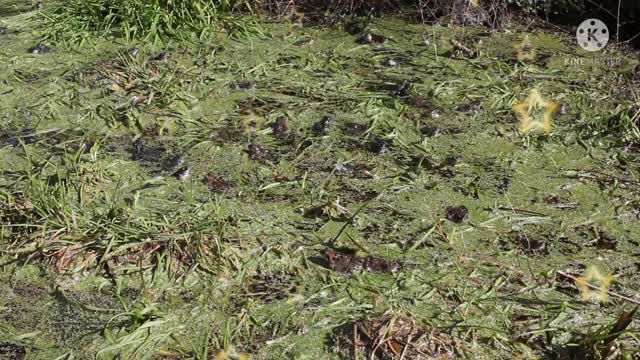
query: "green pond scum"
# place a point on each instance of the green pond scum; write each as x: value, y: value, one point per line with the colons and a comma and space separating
x: 299, y: 192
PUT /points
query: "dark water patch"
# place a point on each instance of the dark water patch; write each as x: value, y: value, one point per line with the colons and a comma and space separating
x: 104, y: 73
x: 228, y: 134
x: 349, y: 264
x: 490, y: 175
x: 14, y: 137
x: 293, y: 61
x: 57, y: 140
x: 391, y: 62
x: 32, y: 75
x: 73, y: 318
x: 243, y: 85
x: 354, y: 128
x: 323, y: 125
x: 258, y: 152
x: 378, y: 146
x: 20, y: 211
x: 457, y: 214
x: 356, y: 25
x: 597, y: 237
x: 431, y: 131
x: 133, y: 52
x: 370, y: 38
x: 302, y: 94
x: 161, y: 56
x: 260, y: 105
x: 130, y: 293
x: 29, y: 291
x: 359, y: 170
x: 68, y: 316
x: 39, y: 49
x: 24, y: 307
x: 10, y: 8
x: 354, y: 191
x: 443, y: 166
x: 304, y: 42
x: 271, y: 287
x: 402, y: 89
x: 418, y: 101
x: 182, y: 173
x: 4, y: 30
x: 530, y: 244
x: 470, y: 108
x: 435, y: 128
x: 11, y: 351
x: 436, y: 114
x: 216, y: 183
x: 280, y: 127
x: 159, y: 155
x: 559, y: 201
x: 387, y: 225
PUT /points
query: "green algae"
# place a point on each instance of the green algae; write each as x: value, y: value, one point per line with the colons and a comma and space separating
x: 120, y: 258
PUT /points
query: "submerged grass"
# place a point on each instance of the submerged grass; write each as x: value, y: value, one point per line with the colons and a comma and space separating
x: 177, y: 201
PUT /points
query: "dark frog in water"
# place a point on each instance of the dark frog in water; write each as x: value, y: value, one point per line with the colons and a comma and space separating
x: 470, y: 108
x: 39, y: 49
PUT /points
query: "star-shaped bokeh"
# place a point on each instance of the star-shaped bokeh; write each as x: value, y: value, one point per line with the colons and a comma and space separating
x: 594, y: 285
x: 527, y: 110
x: 525, y: 51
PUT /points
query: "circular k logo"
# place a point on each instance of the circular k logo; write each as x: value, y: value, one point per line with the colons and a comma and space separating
x: 592, y: 35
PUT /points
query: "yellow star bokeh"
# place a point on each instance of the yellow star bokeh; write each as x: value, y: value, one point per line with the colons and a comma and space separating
x: 475, y: 3
x: 231, y: 354
x: 533, y: 103
x: 525, y: 51
x: 594, y: 278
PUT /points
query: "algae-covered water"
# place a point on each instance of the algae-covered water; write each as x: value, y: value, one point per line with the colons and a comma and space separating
x: 172, y: 202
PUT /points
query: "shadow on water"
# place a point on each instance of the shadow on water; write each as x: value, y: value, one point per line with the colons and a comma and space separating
x: 14, y: 7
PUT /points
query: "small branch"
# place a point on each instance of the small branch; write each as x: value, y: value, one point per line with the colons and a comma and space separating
x: 609, y: 292
x: 618, y: 23
x: 521, y: 211
x: 457, y: 45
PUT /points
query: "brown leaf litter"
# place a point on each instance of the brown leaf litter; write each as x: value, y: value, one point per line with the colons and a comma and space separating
x: 395, y: 336
x: 351, y: 264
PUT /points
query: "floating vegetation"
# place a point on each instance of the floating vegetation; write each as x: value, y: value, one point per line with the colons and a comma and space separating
x: 394, y: 336
x: 173, y: 192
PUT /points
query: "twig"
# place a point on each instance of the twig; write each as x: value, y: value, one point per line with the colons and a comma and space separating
x: 592, y: 173
x: 618, y: 23
x: 609, y: 292
x: 406, y: 347
x: 631, y: 39
x: 355, y: 340
x: 601, y: 7
x: 521, y: 211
